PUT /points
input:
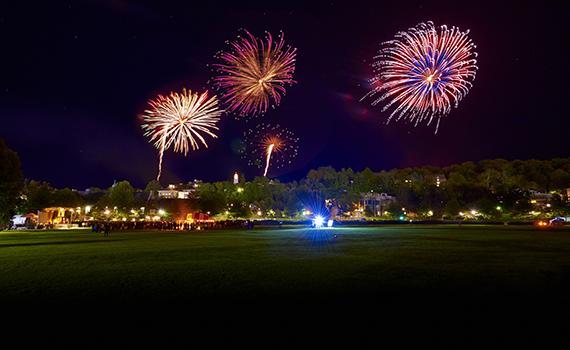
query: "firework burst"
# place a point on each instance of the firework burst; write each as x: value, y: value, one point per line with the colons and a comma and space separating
x: 269, y: 145
x: 180, y: 120
x: 423, y: 72
x: 253, y: 73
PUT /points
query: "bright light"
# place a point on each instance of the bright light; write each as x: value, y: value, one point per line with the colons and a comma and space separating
x: 430, y: 213
x: 240, y: 189
x: 318, y: 221
x: 87, y: 209
x: 473, y: 212
x: 498, y: 207
x: 259, y: 213
x: 330, y: 223
x: 401, y: 218
x: 107, y: 212
x: 161, y: 212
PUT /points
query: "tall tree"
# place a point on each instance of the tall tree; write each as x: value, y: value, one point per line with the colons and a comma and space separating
x: 39, y: 195
x: 11, y: 182
x: 121, y: 195
x: 151, y: 190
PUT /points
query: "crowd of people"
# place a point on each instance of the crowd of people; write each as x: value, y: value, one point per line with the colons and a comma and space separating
x: 108, y: 226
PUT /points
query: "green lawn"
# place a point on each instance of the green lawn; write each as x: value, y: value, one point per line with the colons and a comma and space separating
x: 288, y: 261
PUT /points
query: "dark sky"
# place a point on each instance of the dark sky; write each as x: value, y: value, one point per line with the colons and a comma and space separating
x: 74, y: 76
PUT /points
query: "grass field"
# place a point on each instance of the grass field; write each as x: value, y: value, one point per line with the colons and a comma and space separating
x: 361, y: 285
x: 292, y: 262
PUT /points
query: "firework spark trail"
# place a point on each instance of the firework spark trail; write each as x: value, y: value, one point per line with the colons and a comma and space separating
x: 253, y: 73
x: 179, y: 120
x: 423, y: 72
x: 269, y: 145
x: 160, y: 156
x: 269, y: 151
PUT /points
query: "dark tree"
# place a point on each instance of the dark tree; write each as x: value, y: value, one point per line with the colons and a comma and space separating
x: 11, y: 182
x: 38, y: 195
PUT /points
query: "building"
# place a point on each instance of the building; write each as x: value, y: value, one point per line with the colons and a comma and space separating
x: 180, y: 191
x: 175, y: 194
x: 375, y: 203
x: 540, y: 200
x: 60, y: 217
x: 440, y: 179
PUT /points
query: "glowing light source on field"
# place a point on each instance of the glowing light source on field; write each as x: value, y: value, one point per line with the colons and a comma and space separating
x: 330, y: 223
x: 318, y: 221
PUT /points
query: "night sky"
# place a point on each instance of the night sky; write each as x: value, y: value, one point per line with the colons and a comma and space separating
x: 74, y: 76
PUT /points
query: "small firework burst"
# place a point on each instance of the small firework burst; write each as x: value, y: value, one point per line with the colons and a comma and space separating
x: 269, y: 145
x: 180, y: 119
x: 253, y: 73
x: 423, y: 72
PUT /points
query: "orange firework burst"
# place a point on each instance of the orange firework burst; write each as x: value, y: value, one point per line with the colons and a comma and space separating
x: 267, y: 145
x: 253, y: 74
x: 179, y: 119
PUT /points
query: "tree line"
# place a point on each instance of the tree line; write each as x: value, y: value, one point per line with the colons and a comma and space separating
x: 495, y: 188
